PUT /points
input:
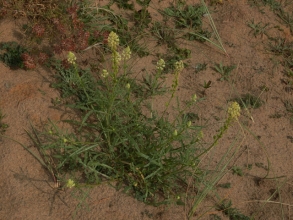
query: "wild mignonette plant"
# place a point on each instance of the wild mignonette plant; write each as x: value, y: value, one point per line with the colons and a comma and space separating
x: 117, y: 138
x: 121, y: 137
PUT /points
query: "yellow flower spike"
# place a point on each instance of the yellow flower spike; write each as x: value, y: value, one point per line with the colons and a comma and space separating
x: 113, y: 40
x: 71, y: 58
x: 179, y: 66
x: 127, y: 86
x: 126, y: 53
x: 234, y: 110
x: 70, y: 183
x: 161, y: 64
x: 116, y: 58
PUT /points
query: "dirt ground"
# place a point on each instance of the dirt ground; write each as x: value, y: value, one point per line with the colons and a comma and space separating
x: 28, y: 192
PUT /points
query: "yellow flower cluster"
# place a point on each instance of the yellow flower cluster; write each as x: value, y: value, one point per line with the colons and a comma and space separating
x: 194, y: 98
x: 70, y: 183
x: 161, y: 64
x: 71, y: 58
x: 126, y: 53
x: 105, y: 73
x: 179, y: 66
x: 113, y: 40
x: 234, y: 110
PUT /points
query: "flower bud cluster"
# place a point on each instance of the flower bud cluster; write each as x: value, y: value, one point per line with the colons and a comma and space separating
x: 126, y: 53
x: 179, y: 66
x: 71, y: 58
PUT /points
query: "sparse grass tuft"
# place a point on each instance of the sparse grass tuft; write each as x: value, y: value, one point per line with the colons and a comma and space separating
x: 185, y: 16
x: 249, y: 101
x: 237, y: 171
x: 3, y: 126
x: 289, y: 106
x: 225, y: 71
x: 200, y: 67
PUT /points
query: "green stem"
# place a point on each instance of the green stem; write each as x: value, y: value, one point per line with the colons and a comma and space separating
x: 218, y: 137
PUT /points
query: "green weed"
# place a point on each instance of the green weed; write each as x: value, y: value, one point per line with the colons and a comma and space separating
x: 140, y: 50
x: 123, y: 4
x: 249, y: 101
x: 207, y: 85
x: 225, y: 185
x: 261, y: 165
x: 258, y: 29
x: 215, y: 217
x: 200, y: 67
x: 274, y: 5
x: 185, y: 16
x: 150, y: 156
x: 188, y: 17
x: 173, y: 55
x: 234, y: 214
x: 143, y: 2
x: 153, y: 84
x: 237, y: 171
x: 289, y: 106
x: 164, y: 34
x: 11, y: 54
x: 280, y: 46
x: 276, y: 115
x: 278, y: 8
x: 287, y: 18
x: 191, y: 116
x: 283, y: 48
x: 71, y: 84
x: 225, y: 71
x: 142, y: 18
